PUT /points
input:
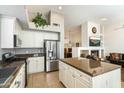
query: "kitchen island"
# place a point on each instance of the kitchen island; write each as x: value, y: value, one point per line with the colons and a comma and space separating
x: 86, y: 73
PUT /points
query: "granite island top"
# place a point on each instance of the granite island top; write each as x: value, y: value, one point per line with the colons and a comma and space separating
x: 90, y: 67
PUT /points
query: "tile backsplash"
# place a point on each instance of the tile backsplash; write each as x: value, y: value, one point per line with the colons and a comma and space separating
x: 21, y: 51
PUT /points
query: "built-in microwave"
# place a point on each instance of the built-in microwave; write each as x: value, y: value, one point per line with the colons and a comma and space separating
x: 17, y: 41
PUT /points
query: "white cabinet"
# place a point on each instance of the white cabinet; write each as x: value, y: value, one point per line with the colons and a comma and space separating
x: 66, y: 75
x: 70, y: 78
x: 56, y: 19
x: 35, y: 64
x: 23, y: 76
x: 80, y: 84
x: 19, y: 81
x: 73, y: 78
x: 61, y: 72
x: 7, y: 27
x: 31, y: 65
x: 40, y: 64
x: 56, y: 22
x: 82, y: 80
x: 51, y: 36
x: 108, y: 80
x: 27, y: 38
x: 35, y: 39
x: 38, y: 39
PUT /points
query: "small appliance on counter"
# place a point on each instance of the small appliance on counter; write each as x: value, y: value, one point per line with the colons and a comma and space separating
x: 50, y: 50
x: 10, y: 57
x: 7, y: 57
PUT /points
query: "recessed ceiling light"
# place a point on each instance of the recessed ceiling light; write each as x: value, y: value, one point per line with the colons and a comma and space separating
x: 103, y: 19
x: 60, y: 7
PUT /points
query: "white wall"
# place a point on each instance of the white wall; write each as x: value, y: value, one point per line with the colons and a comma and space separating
x: 114, y: 38
x: 73, y: 34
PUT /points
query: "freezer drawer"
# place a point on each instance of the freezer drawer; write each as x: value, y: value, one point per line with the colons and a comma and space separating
x: 52, y: 65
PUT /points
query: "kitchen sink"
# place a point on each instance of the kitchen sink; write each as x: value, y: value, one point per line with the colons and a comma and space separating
x: 5, y: 74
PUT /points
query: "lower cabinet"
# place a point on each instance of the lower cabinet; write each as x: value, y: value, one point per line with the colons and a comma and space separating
x: 35, y: 64
x: 19, y: 81
x: 79, y: 84
x: 66, y: 75
x: 70, y: 78
x: 73, y: 78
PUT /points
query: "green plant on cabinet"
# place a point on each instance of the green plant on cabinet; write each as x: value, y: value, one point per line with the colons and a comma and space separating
x: 39, y: 21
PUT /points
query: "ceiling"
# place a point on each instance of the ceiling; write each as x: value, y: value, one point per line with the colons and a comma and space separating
x: 15, y: 11
x: 74, y: 14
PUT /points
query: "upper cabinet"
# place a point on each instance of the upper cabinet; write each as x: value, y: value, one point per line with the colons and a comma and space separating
x: 55, y: 20
x: 27, y: 39
x: 8, y: 29
x: 13, y: 36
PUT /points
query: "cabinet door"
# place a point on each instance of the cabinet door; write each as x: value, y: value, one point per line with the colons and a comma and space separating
x: 7, y: 31
x: 32, y: 66
x: 27, y: 38
x: 51, y: 36
x: 38, y: 39
x: 40, y: 64
x: 79, y: 84
x: 15, y: 83
x: 66, y: 75
x: 110, y: 79
x: 61, y: 72
x: 19, y: 81
x: 70, y: 79
x: 22, y: 76
x: 57, y: 19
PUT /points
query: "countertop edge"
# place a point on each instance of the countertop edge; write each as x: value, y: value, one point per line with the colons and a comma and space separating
x: 87, y: 72
x: 10, y: 81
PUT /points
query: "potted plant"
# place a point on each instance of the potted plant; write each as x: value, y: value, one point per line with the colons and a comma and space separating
x: 39, y: 20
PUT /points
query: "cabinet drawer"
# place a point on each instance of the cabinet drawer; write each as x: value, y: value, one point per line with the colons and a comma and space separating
x: 81, y: 84
x: 65, y: 66
x: 83, y: 76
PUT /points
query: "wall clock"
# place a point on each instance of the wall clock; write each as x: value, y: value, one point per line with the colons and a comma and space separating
x: 94, y: 30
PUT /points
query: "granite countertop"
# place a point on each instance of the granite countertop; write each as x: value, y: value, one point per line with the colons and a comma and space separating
x: 16, y: 64
x: 30, y: 55
x: 90, y: 67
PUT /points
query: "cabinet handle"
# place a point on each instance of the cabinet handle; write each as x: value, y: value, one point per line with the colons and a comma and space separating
x: 81, y: 75
x: 78, y: 75
x: 17, y: 83
x: 73, y: 76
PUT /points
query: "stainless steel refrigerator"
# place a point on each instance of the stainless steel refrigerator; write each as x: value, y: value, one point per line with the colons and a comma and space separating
x: 51, y: 55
